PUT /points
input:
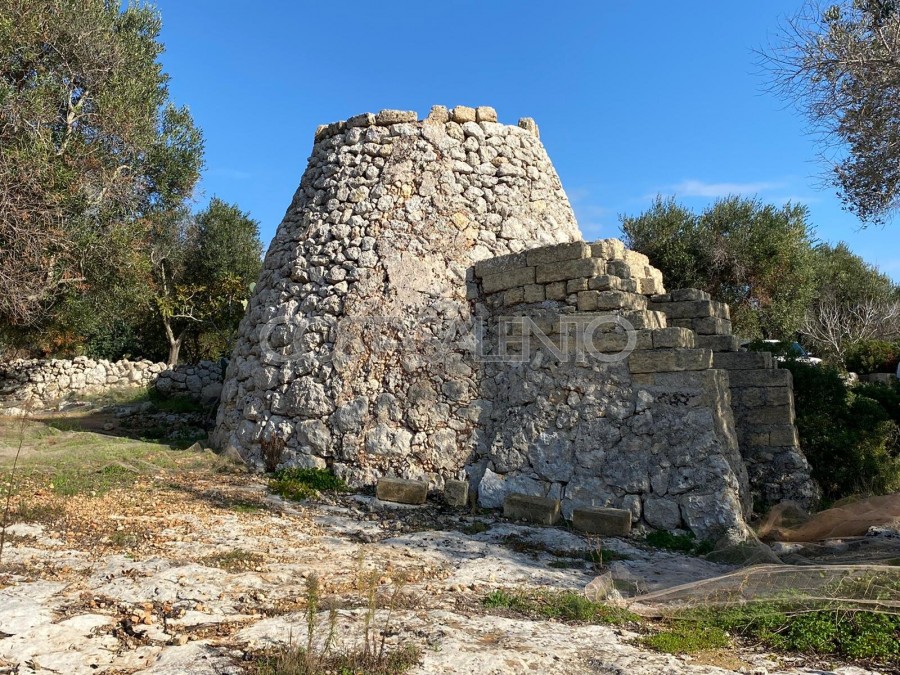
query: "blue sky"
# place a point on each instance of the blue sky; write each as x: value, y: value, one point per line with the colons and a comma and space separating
x: 632, y: 98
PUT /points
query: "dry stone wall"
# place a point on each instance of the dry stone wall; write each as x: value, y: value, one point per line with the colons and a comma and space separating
x: 762, y: 399
x: 596, y: 401
x: 390, y: 335
x: 42, y: 382
x: 356, y: 348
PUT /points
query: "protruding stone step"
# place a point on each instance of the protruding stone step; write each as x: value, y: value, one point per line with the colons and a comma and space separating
x: 591, y: 301
x: 401, y: 490
x: 557, y: 253
x: 456, y: 492
x: 743, y: 360
x: 603, y: 521
x: 539, y: 510
x: 669, y: 360
x: 719, y: 343
x: 778, y: 377
x: 688, y: 295
x: 674, y: 338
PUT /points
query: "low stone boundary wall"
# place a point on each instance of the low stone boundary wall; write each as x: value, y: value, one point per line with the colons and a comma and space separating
x: 201, y: 381
x: 46, y: 381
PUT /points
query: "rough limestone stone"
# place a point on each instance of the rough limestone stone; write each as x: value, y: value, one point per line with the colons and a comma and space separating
x: 662, y: 514
x: 606, y: 522
x: 456, y: 492
x: 401, y: 490
x: 538, y: 510
x: 463, y: 113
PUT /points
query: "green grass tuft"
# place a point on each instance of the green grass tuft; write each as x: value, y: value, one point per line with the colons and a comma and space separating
x: 297, y: 484
x: 563, y: 606
x: 688, y: 638
x: 788, y: 627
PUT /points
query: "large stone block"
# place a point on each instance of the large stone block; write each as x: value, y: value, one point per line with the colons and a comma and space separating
x: 686, y: 310
x: 712, y: 325
x: 777, y: 377
x: 785, y: 435
x: 688, y: 294
x: 401, y: 490
x: 558, y: 253
x: 719, y: 343
x: 645, y: 319
x: 743, y: 360
x: 603, y: 521
x: 539, y: 510
x: 674, y: 338
x: 569, y: 269
x: 663, y: 514
x: 502, y: 263
x: 386, y: 117
x: 456, y: 492
x: 669, y: 360
x: 521, y: 276
x: 608, y: 249
x: 463, y: 113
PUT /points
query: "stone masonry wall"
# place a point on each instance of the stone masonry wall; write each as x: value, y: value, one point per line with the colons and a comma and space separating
x: 762, y: 398
x: 356, y: 346
x: 586, y: 420
x: 42, y: 382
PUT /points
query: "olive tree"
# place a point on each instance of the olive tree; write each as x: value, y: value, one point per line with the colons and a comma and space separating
x: 840, y: 63
x: 90, y: 147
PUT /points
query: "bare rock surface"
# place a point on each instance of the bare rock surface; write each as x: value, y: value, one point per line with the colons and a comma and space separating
x: 210, y: 583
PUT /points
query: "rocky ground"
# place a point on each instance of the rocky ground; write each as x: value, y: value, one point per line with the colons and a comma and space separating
x: 155, y: 560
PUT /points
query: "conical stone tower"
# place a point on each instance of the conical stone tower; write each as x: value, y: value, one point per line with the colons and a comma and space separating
x: 428, y: 310
x: 355, y: 352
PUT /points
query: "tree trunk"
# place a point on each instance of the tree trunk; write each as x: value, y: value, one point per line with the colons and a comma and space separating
x: 174, y: 343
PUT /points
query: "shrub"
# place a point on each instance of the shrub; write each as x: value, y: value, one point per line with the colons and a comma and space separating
x: 786, y: 627
x: 851, y: 440
x: 298, y: 484
x: 873, y: 356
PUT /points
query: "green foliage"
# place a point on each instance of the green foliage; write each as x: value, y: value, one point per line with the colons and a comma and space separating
x: 851, y: 440
x: 203, y: 271
x: 854, y: 634
x: 561, y: 606
x: 873, y: 356
x: 92, y: 147
x: 684, y: 543
x: 845, y: 277
x: 687, y: 638
x: 785, y: 626
x: 838, y: 62
x: 298, y: 484
x: 754, y: 256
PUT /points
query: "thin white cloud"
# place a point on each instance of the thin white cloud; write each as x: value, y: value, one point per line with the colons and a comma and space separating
x: 699, y: 188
